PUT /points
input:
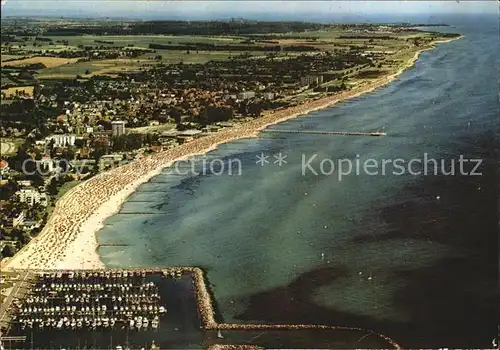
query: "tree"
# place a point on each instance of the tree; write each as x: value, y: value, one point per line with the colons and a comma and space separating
x: 176, y: 115
x: 22, y: 157
x: 52, y: 187
x: 37, y: 179
x: 24, y: 238
x: 98, y: 152
x: 79, y: 143
x: 69, y: 153
x: 50, y: 146
x: 216, y: 114
x: 8, y: 190
x: 36, y: 90
x: 8, y: 251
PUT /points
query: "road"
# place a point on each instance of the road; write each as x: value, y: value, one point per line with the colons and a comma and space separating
x: 13, y: 292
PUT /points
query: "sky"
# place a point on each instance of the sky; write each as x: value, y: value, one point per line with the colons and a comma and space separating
x: 189, y: 9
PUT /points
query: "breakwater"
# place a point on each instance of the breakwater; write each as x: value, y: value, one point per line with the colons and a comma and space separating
x: 207, y: 315
x: 204, y: 301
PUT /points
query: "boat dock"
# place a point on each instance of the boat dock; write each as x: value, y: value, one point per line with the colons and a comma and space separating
x: 70, y: 300
x: 141, y: 213
x: 320, y: 132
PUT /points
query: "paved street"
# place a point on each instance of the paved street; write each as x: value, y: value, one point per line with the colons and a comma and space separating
x: 14, y: 291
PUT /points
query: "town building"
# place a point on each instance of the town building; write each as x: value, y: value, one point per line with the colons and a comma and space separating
x: 118, y: 127
x: 101, y: 137
x: 31, y: 197
x: 112, y: 158
x: 210, y: 128
x: 18, y: 219
x: 309, y: 80
x: 245, y: 95
x: 268, y: 95
x: 29, y: 225
x: 63, y: 140
x: 24, y: 183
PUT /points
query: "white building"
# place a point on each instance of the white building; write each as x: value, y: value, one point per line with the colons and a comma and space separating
x: 63, y: 140
x: 245, y: 95
x: 268, y: 95
x: 18, y: 220
x: 31, y: 197
x: 24, y: 183
x: 30, y: 224
x: 311, y: 80
x: 118, y: 127
x: 112, y: 157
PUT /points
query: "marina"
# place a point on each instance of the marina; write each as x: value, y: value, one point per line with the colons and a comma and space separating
x: 100, y: 309
x: 138, y: 308
x: 93, y: 301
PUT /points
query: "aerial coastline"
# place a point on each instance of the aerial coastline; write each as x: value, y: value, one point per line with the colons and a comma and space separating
x: 183, y: 177
x: 68, y: 240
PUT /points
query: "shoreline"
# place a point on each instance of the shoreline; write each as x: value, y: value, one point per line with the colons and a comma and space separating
x: 69, y: 239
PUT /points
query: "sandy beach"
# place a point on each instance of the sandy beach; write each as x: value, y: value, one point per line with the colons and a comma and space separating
x: 68, y: 240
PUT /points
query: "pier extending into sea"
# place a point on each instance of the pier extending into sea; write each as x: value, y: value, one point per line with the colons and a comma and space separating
x: 324, y: 132
x: 204, y: 302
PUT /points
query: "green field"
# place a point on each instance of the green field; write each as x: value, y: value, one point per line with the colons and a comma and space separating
x: 113, y: 66
x: 132, y: 41
x: 144, y: 40
x: 325, y: 40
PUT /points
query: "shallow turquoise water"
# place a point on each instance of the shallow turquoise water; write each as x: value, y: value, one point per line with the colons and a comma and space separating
x: 412, y: 256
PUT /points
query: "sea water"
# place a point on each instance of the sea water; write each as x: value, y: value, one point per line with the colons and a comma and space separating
x: 410, y: 256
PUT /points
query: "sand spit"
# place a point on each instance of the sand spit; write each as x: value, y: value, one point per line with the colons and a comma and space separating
x: 68, y: 239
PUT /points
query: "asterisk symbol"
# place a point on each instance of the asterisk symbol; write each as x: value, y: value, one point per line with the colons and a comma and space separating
x: 262, y: 159
x: 280, y: 159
